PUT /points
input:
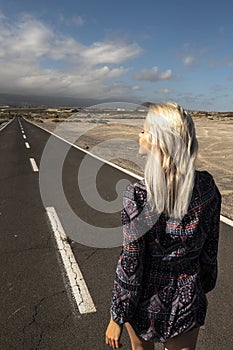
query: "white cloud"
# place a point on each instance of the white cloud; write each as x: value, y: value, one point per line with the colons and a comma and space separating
x: 109, y: 52
x: 188, y: 60
x: 153, y: 75
x: 31, y: 39
x: 136, y: 88
x: 167, y: 74
x: 31, y: 53
x: 163, y: 91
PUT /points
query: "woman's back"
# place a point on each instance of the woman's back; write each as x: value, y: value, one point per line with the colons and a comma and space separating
x: 171, y: 266
x: 172, y: 239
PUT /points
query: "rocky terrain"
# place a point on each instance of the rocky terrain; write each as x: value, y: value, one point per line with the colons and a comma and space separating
x: 59, y: 114
x: 113, y: 136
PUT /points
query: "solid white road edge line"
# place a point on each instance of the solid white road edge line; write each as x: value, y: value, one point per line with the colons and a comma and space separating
x: 75, y: 277
x: 222, y: 218
x: 34, y: 165
x: 5, y: 125
x: 226, y: 220
x: 89, y: 153
x: 27, y: 145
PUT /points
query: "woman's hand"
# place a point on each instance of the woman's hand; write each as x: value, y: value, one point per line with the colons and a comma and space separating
x: 113, y: 335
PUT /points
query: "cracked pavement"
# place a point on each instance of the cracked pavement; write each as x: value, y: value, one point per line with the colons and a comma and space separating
x: 38, y: 310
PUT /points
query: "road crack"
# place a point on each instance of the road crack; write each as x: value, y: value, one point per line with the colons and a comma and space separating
x: 33, y: 321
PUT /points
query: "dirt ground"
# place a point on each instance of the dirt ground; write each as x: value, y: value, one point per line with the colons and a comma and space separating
x: 116, y: 139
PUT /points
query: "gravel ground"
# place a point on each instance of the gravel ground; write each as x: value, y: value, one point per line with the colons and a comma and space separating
x: 115, y: 139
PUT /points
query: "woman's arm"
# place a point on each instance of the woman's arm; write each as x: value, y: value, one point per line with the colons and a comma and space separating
x: 128, y: 278
x: 208, y: 257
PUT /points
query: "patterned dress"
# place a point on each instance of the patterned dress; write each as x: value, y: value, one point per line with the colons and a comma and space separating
x: 166, y: 267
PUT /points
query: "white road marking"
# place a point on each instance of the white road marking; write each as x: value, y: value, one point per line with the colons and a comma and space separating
x: 222, y: 218
x: 22, y: 131
x: 34, y: 165
x: 4, y: 125
x: 226, y: 220
x: 27, y: 145
x: 73, y: 273
x: 89, y: 153
x: 24, y: 136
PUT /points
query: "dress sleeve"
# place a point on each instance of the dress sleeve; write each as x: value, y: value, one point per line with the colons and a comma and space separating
x: 128, y: 278
x: 208, y: 257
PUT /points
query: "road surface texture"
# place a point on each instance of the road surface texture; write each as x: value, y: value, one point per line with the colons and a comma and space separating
x: 38, y: 307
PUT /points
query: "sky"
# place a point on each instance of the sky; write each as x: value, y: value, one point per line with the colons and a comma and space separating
x: 151, y: 50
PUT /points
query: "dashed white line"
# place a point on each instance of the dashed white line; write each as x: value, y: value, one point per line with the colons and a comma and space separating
x: 77, y: 284
x: 89, y: 153
x: 27, y: 145
x: 24, y: 136
x: 34, y: 165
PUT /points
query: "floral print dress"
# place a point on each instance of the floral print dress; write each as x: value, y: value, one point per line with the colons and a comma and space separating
x: 166, y: 267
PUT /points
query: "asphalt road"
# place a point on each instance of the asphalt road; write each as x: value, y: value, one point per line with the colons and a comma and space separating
x: 38, y: 310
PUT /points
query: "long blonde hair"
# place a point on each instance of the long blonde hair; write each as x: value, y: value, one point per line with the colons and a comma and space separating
x: 170, y: 165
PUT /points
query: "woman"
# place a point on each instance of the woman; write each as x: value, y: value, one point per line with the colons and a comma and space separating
x: 170, y: 221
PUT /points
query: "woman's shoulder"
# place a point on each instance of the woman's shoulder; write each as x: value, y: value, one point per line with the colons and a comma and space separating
x: 203, y: 175
x: 205, y: 187
x: 204, y: 180
x: 134, y: 197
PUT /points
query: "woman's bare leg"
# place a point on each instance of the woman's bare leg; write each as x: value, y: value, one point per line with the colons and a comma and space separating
x: 184, y: 341
x: 137, y: 342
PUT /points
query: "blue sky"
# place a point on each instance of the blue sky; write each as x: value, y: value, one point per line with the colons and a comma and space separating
x: 179, y: 50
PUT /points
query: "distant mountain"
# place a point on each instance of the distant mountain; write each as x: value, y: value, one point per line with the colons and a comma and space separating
x: 14, y: 100
x: 147, y: 104
x: 48, y: 101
